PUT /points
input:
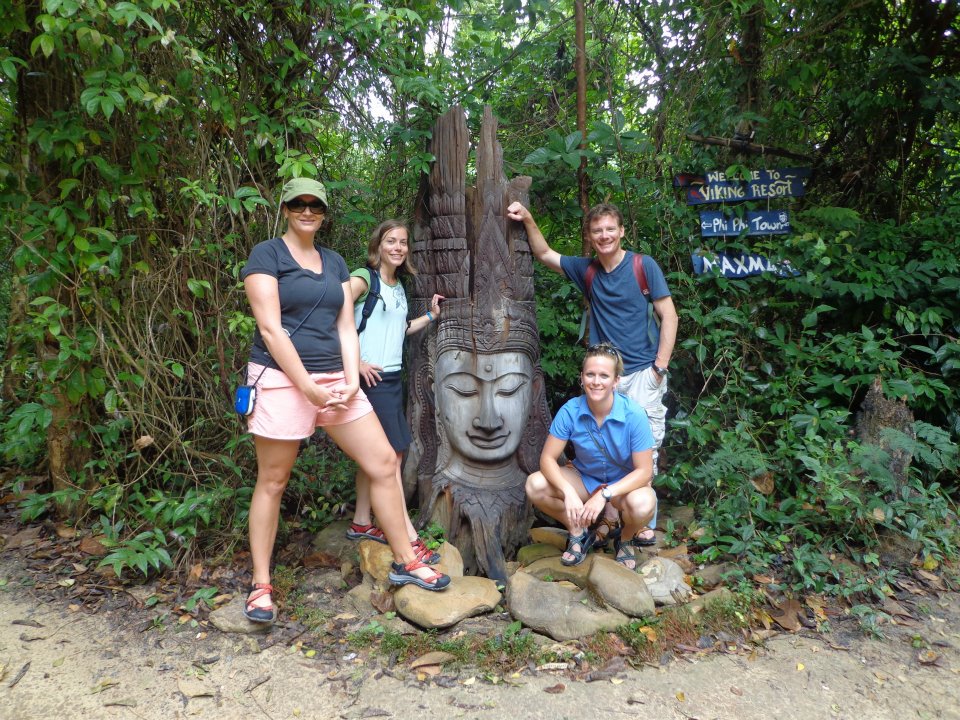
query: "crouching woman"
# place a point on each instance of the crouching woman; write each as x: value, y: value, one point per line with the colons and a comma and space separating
x: 613, y: 467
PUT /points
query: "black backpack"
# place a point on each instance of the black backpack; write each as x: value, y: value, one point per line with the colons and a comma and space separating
x: 373, y: 294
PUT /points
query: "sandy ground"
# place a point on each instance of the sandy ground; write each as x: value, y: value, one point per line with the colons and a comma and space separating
x: 60, y: 661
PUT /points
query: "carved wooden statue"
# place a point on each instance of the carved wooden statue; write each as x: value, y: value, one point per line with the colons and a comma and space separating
x: 478, y: 409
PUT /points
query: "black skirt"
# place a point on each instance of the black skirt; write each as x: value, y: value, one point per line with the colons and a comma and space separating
x: 387, y: 400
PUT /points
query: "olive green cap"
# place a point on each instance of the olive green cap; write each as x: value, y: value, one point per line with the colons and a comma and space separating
x: 303, y: 186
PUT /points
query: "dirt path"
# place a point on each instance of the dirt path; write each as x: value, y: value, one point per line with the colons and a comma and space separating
x: 116, y: 664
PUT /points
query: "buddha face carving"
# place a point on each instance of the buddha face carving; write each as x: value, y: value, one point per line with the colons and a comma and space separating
x: 483, y: 402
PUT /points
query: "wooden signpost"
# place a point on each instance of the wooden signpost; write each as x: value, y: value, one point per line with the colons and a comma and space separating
x: 717, y: 187
x: 754, y: 222
x: 739, y: 265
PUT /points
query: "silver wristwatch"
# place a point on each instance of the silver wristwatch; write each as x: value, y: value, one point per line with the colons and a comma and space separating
x: 606, y: 493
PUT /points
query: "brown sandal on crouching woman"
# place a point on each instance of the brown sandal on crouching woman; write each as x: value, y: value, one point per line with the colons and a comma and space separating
x: 260, y: 613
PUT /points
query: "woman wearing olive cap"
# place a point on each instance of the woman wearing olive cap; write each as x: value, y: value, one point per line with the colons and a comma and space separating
x: 306, y: 348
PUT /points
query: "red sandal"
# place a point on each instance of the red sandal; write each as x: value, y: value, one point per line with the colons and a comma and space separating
x: 260, y: 613
x: 401, y: 574
x: 366, y: 532
x: 423, y: 553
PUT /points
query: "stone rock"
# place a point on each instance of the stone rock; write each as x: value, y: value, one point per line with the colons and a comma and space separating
x: 550, y: 536
x: 622, y: 588
x: 563, y: 614
x: 322, y: 590
x: 720, y: 594
x: 531, y: 553
x: 230, y: 619
x: 665, y: 580
x: 451, y: 561
x: 551, y: 568
x: 512, y: 567
x: 681, y: 515
x: 375, y: 561
x: 333, y: 541
x: 359, y: 599
x: 465, y: 597
x: 712, y: 575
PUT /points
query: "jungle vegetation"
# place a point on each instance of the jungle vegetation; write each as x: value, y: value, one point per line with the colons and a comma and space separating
x: 144, y: 142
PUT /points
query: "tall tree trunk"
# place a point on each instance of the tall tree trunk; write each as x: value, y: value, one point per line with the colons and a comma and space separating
x: 583, y: 182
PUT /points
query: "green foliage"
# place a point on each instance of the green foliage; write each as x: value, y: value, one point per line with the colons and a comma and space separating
x: 143, y: 143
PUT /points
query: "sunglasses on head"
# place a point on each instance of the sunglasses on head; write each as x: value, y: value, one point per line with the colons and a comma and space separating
x: 603, y: 349
x: 297, y: 205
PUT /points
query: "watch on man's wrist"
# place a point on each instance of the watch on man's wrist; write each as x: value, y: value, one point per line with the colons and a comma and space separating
x: 661, y: 371
x: 606, y: 493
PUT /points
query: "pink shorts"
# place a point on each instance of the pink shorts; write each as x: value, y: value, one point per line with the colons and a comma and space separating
x: 282, y: 412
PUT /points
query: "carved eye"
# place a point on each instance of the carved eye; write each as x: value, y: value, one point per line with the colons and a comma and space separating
x: 509, y: 391
x: 463, y: 391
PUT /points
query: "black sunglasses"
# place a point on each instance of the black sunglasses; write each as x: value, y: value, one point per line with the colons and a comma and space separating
x: 297, y: 205
x: 604, y: 349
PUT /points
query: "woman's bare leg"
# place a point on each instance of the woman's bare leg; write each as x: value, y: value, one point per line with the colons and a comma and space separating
x: 275, y: 460
x: 364, y: 441
x: 362, y: 514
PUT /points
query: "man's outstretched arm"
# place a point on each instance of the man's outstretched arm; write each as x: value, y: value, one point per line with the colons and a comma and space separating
x: 538, y: 244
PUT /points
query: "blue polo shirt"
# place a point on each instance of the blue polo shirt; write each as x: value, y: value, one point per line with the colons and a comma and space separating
x: 618, y: 309
x: 625, y: 431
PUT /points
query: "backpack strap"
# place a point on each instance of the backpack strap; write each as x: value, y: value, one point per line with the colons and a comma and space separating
x: 589, y: 275
x: 641, y: 275
x: 370, y: 302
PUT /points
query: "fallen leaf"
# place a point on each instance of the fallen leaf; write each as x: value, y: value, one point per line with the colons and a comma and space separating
x: 764, y: 579
x: 673, y: 552
x: 66, y: 582
x: 79, y: 569
x: 763, y: 482
x: 24, y: 538
x: 383, y: 601
x: 616, y: 681
x: 736, y: 691
x: 123, y: 702
x: 432, y: 658
x: 59, y: 661
x: 469, y: 681
x: 878, y: 514
x: 788, y: 617
x: 144, y: 441
x: 65, y: 532
x: 800, y: 667
x: 321, y: 559
x: 196, y: 570
x: 930, y: 563
x: 103, y: 685
x: 555, y: 689
x: 93, y: 546
x: 649, y: 633
x: 681, y: 697
x: 928, y: 657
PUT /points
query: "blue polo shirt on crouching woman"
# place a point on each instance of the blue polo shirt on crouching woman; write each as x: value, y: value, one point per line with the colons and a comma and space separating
x: 604, y: 453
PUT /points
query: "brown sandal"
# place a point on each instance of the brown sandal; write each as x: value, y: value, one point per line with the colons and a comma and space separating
x: 612, y: 526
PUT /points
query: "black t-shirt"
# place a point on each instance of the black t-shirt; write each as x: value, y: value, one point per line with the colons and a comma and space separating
x: 317, y: 340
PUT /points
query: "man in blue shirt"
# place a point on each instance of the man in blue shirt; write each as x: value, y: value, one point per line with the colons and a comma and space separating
x: 619, y: 310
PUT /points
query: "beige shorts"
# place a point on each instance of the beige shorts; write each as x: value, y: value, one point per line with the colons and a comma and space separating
x: 282, y: 412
